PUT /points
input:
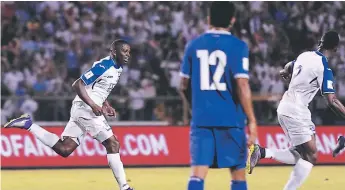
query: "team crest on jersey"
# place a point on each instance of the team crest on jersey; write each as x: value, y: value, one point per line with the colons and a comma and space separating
x: 330, y: 84
x: 88, y: 74
x: 245, y: 62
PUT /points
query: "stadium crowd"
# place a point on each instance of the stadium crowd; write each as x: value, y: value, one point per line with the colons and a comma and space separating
x: 45, y: 46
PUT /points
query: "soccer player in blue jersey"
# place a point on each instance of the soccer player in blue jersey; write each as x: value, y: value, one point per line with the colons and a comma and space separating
x: 87, y: 112
x: 216, y: 63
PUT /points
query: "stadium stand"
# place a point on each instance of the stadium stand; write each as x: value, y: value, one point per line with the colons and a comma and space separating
x: 46, y: 45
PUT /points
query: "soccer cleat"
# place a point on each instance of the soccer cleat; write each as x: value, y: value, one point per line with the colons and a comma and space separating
x: 253, y: 157
x: 126, y: 187
x: 22, y: 122
x: 340, y: 146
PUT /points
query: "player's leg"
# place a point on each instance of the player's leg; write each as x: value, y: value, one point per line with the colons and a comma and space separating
x: 340, y: 146
x: 62, y: 147
x: 302, y: 136
x: 238, y: 181
x: 231, y: 153
x: 100, y: 130
x: 112, y: 145
x: 286, y: 156
x: 202, y: 151
x: 304, y: 165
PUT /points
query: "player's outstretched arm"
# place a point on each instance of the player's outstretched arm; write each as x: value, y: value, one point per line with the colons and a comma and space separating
x: 245, y: 96
x: 79, y: 87
x: 335, y: 104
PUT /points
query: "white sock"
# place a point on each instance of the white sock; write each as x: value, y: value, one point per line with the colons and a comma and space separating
x: 299, y: 174
x: 47, y: 138
x: 286, y: 156
x: 116, y: 165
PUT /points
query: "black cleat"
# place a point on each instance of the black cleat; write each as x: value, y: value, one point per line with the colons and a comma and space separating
x: 340, y: 146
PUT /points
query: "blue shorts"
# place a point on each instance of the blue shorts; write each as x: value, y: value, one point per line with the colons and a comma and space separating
x: 218, y: 147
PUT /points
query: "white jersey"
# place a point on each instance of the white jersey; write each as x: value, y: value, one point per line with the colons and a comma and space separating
x: 310, y: 73
x: 100, y: 80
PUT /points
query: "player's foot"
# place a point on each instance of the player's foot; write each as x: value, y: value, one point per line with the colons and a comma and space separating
x: 22, y: 122
x: 129, y: 188
x: 253, y: 157
x: 126, y: 187
x: 340, y: 146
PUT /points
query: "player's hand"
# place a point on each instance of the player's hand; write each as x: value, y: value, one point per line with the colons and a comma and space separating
x: 97, y: 110
x: 109, y: 111
x: 285, y: 75
x: 253, y: 133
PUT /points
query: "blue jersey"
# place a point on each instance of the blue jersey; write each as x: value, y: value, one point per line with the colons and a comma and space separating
x: 212, y: 62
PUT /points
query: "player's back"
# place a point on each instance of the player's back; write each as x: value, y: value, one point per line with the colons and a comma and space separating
x: 310, y: 73
x: 213, y: 61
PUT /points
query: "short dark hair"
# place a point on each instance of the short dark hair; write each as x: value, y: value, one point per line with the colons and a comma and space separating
x: 221, y: 12
x: 329, y: 40
x: 117, y: 44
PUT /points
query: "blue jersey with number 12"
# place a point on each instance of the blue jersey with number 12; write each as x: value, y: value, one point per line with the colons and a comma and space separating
x: 213, y: 61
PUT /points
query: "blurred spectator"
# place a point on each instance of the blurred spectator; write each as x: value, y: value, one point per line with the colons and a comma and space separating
x: 45, y: 46
x: 137, y: 103
x: 12, y: 78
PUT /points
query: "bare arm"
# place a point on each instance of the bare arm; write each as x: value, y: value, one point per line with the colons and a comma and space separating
x: 107, y: 109
x: 335, y: 104
x: 106, y: 103
x: 79, y: 87
x: 245, y: 95
x: 182, y: 92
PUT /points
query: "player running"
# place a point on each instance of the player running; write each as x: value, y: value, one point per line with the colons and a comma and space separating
x: 216, y: 63
x: 309, y: 73
x: 87, y: 112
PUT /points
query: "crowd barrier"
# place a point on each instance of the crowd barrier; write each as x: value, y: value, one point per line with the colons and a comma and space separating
x: 142, y: 146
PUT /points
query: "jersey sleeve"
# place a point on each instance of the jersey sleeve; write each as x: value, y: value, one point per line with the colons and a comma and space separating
x: 186, y: 62
x: 93, y: 74
x: 240, y: 68
x: 327, y: 86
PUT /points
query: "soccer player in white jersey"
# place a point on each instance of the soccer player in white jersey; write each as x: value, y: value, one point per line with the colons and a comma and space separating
x: 87, y: 112
x: 308, y: 73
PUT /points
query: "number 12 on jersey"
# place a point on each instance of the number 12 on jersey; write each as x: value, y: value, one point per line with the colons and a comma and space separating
x: 206, y: 60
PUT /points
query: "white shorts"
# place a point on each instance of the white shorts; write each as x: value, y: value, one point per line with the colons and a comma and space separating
x: 83, y: 121
x: 298, y: 131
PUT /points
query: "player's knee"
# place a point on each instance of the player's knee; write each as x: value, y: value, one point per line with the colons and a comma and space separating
x: 67, y: 151
x: 238, y: 174
x: 65, y: 154
x: 312, y: 157
x: 112, y: 145
x: 199, y: 171
x: 64, y: 149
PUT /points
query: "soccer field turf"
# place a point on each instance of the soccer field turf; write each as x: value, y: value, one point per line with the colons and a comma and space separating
x: 263, y: 178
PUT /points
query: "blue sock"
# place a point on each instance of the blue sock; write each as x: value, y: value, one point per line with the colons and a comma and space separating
x: 195, y: 183
x: 238, y: 185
